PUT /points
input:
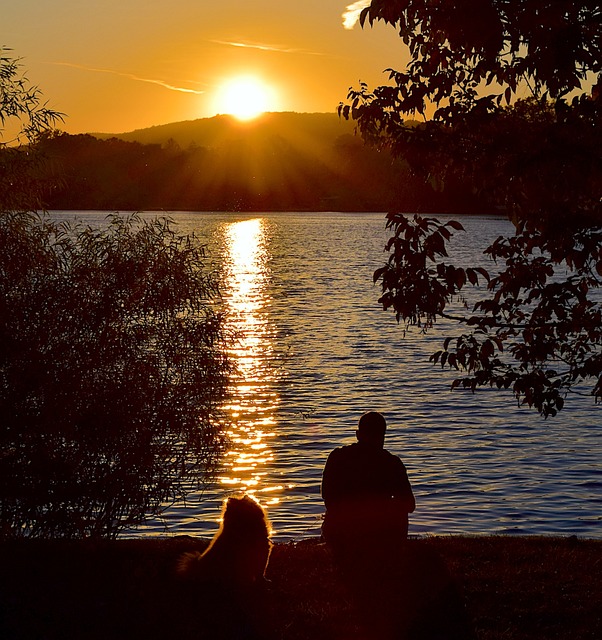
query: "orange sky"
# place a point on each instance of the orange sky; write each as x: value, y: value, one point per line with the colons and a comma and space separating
x: 117, y: 65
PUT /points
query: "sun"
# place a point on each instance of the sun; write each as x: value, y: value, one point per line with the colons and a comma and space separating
x: 245, y: 97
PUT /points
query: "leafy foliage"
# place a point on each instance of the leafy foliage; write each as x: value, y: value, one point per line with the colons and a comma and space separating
x: 26, y: 118
x: 537, y: 331
x: 457, y: 46
x: 112, y: 371
x: 112, y: 355
x: 22, y: 102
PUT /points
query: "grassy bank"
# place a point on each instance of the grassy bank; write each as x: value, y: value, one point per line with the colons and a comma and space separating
x: 506, y: 588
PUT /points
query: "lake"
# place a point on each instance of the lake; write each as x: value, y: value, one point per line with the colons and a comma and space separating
x: 317, y: 351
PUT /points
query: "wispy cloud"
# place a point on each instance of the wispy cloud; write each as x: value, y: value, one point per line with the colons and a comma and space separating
x: 131, y: 76
x: 265, y: 47
x: 352, y: 13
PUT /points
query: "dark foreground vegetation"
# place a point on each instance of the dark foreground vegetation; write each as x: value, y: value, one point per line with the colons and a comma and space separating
x: 537, y: 330
x: 113, y: 366
x: 453, y: 587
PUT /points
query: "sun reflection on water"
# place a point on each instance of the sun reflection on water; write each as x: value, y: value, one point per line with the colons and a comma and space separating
x: 254, y: 398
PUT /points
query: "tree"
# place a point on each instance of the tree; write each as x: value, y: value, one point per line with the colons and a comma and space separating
x: 538, y: 329
x: 27, y: 119
x: 113, y: 364
x: 112, y: 374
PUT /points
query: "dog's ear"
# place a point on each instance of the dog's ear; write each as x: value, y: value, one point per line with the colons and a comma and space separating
x: 234, y: 509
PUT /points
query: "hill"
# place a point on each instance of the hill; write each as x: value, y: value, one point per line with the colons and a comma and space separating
x: 277, y: 162
x: 320, y: 129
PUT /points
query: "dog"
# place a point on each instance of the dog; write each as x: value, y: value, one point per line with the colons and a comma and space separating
x: 239, y: 553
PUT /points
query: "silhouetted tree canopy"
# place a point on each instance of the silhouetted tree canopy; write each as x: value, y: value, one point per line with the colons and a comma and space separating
x: 537, y: 326
x: 457, y: 45
x: 24, y: 118
x: 113, y: 363
x: 268, y: 166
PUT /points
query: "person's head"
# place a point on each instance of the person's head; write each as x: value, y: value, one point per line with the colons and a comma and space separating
x: 371, y: 429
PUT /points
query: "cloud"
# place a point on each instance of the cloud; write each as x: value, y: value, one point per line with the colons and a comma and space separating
x: 131, y: 76
x: 265, y: 47
x: 352, y: 13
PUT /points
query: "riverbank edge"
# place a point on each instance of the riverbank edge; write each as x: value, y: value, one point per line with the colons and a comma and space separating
x: 513, y: 587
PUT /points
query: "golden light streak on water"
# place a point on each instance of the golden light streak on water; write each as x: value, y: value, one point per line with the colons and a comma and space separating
x: 254, y: 399
x: 337, y: 354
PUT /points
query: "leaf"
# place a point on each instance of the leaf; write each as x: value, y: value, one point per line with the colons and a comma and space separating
x: 484, y: 273
x: 454, y: 224
x: 460, y: 278
x: 445, y: 233
x: 379, y: 273
x: 487, y: 350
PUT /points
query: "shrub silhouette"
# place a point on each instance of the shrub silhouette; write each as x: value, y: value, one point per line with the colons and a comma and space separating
x: 112, y: 372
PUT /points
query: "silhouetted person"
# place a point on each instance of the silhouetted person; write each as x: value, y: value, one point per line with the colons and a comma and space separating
x: 401, y: 589
x: 367, y: 495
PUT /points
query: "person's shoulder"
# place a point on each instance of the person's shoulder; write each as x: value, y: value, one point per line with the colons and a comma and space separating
x: 392, y: 458
x: 342, y: 451
x: 334, y: 453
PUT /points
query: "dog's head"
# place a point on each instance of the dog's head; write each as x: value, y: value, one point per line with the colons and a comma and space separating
x: 244, y: 513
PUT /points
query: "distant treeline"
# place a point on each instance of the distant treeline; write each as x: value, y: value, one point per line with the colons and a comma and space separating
x: 302, y: 162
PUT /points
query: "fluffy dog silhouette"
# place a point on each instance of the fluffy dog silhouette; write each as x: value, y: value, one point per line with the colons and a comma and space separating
x: 239, y: 553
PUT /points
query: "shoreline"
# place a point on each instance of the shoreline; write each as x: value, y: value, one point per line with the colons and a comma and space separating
x: 512, y: 587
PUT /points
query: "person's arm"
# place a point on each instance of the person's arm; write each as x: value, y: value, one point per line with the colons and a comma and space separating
x: 331, y: 480
x: 403, y: 489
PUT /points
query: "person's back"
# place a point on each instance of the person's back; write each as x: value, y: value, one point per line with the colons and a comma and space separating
x: 366, y: 492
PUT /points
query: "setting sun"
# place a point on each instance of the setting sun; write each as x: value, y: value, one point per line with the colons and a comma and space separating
x: 245, y: 97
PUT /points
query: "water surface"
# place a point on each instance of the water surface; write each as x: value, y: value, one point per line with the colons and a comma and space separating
x: 317, y: 351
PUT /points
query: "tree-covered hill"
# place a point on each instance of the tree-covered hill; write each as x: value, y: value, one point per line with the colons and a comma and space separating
x: 280, y: 161
x: 320, y: 129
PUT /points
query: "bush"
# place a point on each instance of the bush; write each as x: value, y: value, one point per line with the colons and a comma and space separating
x: 112, y: 372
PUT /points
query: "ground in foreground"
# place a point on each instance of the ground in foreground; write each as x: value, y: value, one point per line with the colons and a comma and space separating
x: 490, y: 588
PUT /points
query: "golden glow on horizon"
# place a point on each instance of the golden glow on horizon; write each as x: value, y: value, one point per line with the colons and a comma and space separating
x: 245, y: 97
x: 305, y: 60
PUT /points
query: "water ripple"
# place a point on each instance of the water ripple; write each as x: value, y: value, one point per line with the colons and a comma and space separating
x: 317, y: 351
